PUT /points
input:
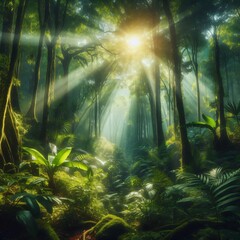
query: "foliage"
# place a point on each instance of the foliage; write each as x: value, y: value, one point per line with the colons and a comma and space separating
x: 20, y: 197
x: 86, y: 193
x: 53, y: 163
x: 234, y: 110
x: 208, y: 123
x: 216, y: 191
x: 109, y: 227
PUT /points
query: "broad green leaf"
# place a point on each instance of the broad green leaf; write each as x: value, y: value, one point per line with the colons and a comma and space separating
x: 18, y: 196
x: 39, y: 158
x: 61, y: 156
x: 76, y: 164
x: 32, y: 204
x: 46, y: 202
x: 25, y: 217
x: 210, y: 121
x: 200, y: 125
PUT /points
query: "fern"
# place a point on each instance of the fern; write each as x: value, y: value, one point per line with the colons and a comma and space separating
x: 221, y: 189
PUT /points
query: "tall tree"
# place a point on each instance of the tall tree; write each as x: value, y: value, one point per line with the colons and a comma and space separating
x: 186, y: 148
x: 223, y: 137
x: 43, y: 20
x: 56, y: 13
x: 9, y: 137
x: 156, y: 43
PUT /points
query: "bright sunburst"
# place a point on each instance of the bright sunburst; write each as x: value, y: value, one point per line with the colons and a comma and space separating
x: 133, y: 41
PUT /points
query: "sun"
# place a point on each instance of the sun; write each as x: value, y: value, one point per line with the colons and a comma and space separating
x: 133, y: 41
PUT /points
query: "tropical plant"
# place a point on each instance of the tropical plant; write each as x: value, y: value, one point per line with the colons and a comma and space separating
x: 220, y: 190
x: 53, y: 163
x: 31, y: 208
x: 209, y: 200
x: 24, y: 198
x: 234, y: 110
x: 209, y: 123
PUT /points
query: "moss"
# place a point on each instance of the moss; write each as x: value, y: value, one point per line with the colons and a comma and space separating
x: 111, y: 227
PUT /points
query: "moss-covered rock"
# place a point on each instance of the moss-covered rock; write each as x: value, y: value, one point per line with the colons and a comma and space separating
x: 111, y: 227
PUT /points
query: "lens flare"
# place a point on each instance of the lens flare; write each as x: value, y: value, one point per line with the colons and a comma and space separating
x: 133, y: 41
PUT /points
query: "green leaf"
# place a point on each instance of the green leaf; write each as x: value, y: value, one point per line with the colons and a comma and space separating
x: 61, y: 156
x: 18, y: 196
x: 39, y: 158
x: 232, y: 209
x: 46, y: 202
x: 210, y: 121
x: 228, y: 201
x: 76, y: 164
x: 37, y: 181
x: 32, y: 204
x: 200, y: 125
x: 25, y: 217
x: 228, y: 197
x: 225, y: 190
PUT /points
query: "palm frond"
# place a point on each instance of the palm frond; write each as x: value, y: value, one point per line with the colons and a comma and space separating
x: 219, y: 187
x: 233, y: 108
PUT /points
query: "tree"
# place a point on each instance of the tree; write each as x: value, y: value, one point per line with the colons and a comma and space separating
x: 56, y: 13
x: 186, y: 148
x: 9, y: 136
x: 43, y: 20
x: 216, y: 21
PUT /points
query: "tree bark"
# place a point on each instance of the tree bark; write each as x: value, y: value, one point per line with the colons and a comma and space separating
x: 160, y: 139
x: 36, y: 75
x: 9, y: 137
x: 186, y: 149
x: 47, y: 93
x: 224, y: 141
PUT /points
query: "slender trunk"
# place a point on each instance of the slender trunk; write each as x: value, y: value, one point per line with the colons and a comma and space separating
x: 65, y: 94
x: 32, y: 110
x: 7, y: 26
x: 198, y: 92
x: 36, y: 76
x: 157, y: 81
x: 47, y: 94
x: 96, y: 115
x: 14, y: 94
x: 152, y: 108
x: 223, y: 137
x: 186, y: 149
x: 160, y: 134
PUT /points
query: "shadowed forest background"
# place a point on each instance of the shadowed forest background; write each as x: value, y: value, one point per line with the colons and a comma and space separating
x: 119, y: 120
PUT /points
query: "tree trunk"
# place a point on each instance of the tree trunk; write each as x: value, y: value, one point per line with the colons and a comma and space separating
x: 47, y: 93
x: 160, y: 134
x: 7, y: 27
x: 158, y: 111
x: 186, y: 149
x: 9, y: 137
x: 36, y: 76
x: 223, y: 137
x: 152, y: 108
x: 198, y: 93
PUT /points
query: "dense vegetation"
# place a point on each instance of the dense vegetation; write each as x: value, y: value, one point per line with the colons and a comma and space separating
x: 119, y: 120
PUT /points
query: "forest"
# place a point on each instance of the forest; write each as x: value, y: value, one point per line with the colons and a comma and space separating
x: 119, y: 119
